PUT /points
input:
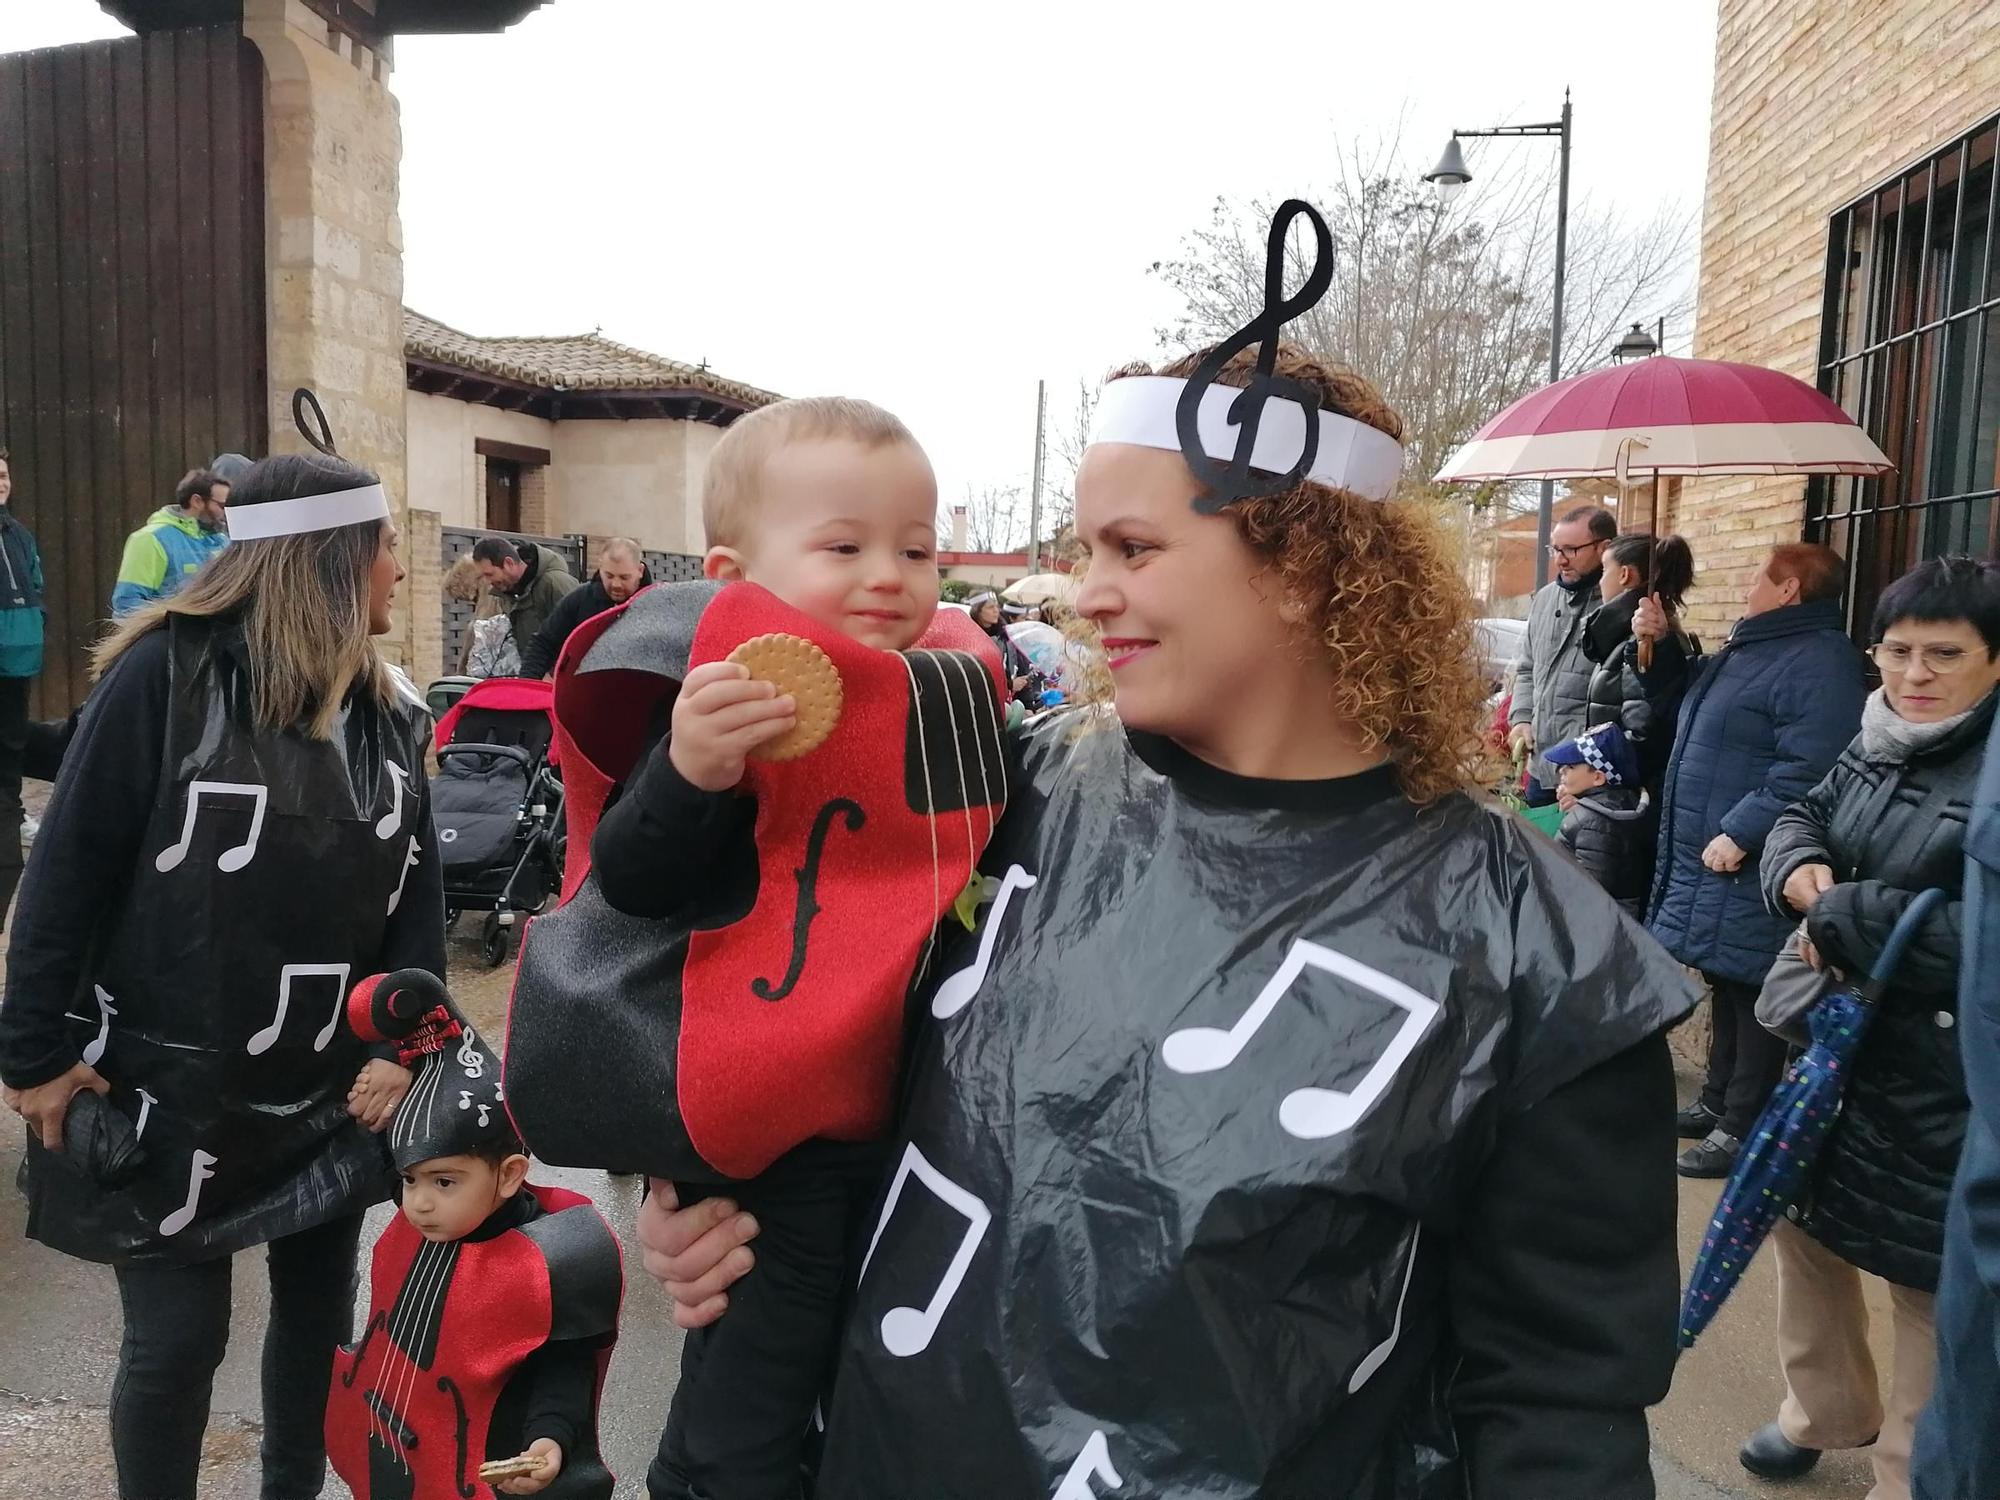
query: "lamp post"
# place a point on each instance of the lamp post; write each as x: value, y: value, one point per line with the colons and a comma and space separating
x: 1446, y: 179
x: 1639, y: 344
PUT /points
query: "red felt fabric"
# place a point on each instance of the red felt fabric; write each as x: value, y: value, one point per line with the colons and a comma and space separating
x: 495, y: 1314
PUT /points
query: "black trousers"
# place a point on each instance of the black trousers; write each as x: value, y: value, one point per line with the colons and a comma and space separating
x: 1744, y: 1060
x: 176, y: 1329
x: 750, y: 1381
x: 13, y: 745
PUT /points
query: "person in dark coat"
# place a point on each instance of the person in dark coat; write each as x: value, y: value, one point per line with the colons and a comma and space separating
x: 1887, y: 823
x: 1635, y: 566
x: 1762, y: 721
x: 528, y: 578
x: 1604, y: 824
x: 1956, y: 1457
x: 621, y: 573
x: 240, y: 825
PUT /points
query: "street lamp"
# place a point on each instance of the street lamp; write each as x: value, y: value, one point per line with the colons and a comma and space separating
x: 1447, y: 179
x: 1637, y: 343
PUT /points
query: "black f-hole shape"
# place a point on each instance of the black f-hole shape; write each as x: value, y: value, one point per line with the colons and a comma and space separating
x: 807, y: 876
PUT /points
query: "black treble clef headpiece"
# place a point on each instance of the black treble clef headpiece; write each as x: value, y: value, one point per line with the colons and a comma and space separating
x: 454, y: 1104
x: 1271, y: 434
x: 304, y: 404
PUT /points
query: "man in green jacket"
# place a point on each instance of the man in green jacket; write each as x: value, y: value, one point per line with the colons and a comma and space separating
x: 20, y: 664
x: 176, y: 542
x: 531, y: 578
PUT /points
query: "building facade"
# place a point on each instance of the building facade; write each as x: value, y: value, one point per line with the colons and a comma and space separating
x: 1847, y: 239
x: 562, y: 436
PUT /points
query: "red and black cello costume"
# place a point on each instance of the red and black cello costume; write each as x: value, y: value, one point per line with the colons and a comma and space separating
x: 771, y: 1012
x: 466, y: 1339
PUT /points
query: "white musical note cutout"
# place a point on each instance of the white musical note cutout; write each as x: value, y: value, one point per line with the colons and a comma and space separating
x: 262, y: 1041
x: 485, y: 1110
x: 1310, y: 1114
x: 146, y: 1103
x: 390, y: 821
x: 1093, y: 1462
x: 958, y: 989
x: 908, y: 1330
x: 199, y: 1171
x: 1377, y: 1357
x: 230, y: 860
x: 409, y: 864
x: 94, y: 1053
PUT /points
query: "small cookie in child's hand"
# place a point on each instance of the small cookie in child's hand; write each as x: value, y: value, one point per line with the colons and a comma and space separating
x: 511, y: 1468
x: 798, y: 668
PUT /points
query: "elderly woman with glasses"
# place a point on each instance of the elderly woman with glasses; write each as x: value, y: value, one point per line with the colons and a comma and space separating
x: 1887, y: 822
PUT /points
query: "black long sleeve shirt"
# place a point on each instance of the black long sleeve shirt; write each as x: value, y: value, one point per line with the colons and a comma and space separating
x: 89, y: 846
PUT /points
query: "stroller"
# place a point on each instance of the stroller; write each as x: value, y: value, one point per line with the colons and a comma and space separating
x: 497, y: 801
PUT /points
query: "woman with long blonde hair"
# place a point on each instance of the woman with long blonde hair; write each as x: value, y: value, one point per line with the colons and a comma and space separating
x: 240, y: 828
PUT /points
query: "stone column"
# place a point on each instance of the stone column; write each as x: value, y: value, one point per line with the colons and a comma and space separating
x: 332, y: 157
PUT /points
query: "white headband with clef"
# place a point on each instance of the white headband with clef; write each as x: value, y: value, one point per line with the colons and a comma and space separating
x: 249, y: 523
x: 1352, y: 455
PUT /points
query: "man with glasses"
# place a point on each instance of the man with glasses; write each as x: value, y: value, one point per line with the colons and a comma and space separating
x: 1552, y: 679
x: 161, y: 556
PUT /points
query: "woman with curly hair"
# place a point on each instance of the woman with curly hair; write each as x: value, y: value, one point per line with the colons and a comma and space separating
x: 1297, y: 1122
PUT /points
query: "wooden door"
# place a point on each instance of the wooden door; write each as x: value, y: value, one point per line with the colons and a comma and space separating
x: 503, y: 495
x: 131, y: 298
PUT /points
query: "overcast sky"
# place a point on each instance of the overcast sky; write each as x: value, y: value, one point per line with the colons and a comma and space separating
x: 887, y: 200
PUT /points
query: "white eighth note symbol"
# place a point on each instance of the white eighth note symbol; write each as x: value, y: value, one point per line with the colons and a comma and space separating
x: 230, y: 859
x: 908, y: 1330
x: 958, y: 989
x: 1311, y: 1114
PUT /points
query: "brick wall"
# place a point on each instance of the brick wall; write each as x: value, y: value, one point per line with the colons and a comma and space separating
x: 424, y: 595
x: 1815, y: 101
x: 535, y: 499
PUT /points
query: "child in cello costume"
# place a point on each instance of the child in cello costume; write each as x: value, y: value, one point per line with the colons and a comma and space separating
x: 493, y: 1303
x: 764, y: 892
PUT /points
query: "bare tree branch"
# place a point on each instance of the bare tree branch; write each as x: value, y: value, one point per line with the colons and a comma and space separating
x: 1446, y: 307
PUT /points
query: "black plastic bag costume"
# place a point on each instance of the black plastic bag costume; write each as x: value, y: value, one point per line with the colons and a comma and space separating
x: 1193, y: 1125
x: 1259, y: 1145
x: 265, y: 884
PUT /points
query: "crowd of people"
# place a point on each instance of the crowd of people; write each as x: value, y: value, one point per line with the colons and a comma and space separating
x: 1280, y: 1114
x: 1797, y: 816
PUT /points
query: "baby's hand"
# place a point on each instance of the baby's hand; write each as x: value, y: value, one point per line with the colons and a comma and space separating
x: 719, y: 718
x: 550, y: 1453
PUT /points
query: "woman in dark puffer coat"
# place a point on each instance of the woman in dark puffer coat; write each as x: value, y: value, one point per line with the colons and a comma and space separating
x: 1635, y: 566
x: 1887, y: 823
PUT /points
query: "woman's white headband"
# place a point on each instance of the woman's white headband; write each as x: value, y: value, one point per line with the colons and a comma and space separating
x: 1352, y: 455
x: 249, y: 523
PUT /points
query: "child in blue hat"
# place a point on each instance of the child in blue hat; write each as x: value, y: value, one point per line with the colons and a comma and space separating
x: 1606, y: 816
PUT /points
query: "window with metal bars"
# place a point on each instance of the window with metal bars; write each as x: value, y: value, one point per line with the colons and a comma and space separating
x: 1910, y: 348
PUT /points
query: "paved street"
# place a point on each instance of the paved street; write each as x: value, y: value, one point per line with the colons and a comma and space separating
x: 58, y: 1345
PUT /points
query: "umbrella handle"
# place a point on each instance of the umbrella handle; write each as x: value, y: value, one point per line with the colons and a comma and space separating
x: 1900, y: 937
x: 1646, y: 656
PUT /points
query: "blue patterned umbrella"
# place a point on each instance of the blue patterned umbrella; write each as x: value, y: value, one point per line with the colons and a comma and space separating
x: 1773, y: 1165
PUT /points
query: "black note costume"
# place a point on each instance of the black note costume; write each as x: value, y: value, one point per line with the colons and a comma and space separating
x: 236, y: 883
x: 1185, y: 1195
x: 1272, y: 1139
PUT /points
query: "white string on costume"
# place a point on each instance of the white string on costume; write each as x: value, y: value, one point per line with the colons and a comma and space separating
x: 1352, y: 455
x: 974, y: 702
x: 249, y: 523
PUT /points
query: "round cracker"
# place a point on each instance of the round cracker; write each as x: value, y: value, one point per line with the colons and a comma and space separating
x: 798, y: 668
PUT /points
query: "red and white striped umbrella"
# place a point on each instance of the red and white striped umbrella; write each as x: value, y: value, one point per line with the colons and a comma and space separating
x: 1668, y: 416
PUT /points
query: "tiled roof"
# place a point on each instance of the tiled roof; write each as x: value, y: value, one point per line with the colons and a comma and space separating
x: 574, y: 362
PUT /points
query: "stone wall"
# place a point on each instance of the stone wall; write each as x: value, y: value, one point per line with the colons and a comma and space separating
x: 1815, y: 101
x: 423, y: 593
x: 333, y: 149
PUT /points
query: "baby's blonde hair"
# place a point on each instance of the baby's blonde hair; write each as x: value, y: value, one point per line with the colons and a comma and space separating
x: 733, y: 482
